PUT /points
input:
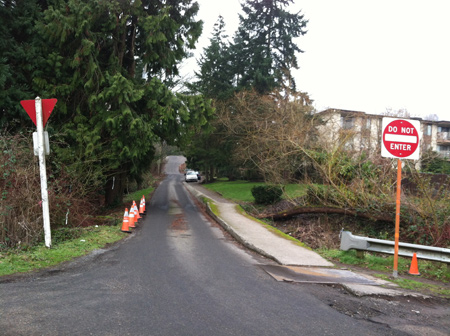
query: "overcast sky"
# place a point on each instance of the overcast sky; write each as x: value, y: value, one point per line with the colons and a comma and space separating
x: 364, y: 55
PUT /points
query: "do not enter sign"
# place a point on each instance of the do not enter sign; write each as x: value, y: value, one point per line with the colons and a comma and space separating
x: 400, y: 138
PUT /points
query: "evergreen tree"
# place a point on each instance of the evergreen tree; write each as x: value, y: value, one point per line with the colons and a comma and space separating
x: 208, y: 150
x: 19, y: 58
x: 260, y: 58
x: 215, y: 79
x: 262, y: 54
x: 112, y: 113
x: 264, y: 51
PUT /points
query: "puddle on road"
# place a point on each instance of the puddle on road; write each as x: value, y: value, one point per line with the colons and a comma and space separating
x: 174, y: 208
x: 179, y: 226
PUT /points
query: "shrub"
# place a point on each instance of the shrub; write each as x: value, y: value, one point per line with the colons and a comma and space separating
x: 70, y: 203
x: 267, y: 194
x: 432, y: 163
x: 328, y: 196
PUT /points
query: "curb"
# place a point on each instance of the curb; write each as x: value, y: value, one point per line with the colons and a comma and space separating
x: 230, y: 230
x: 355, y: 289
x: 199, y: 195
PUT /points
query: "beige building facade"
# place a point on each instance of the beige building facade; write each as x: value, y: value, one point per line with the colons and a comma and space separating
x: 360, y: 132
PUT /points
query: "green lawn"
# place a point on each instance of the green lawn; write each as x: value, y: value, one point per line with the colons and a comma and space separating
x: 240, y: 191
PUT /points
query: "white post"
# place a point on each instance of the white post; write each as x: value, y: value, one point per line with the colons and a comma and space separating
x: 43, y: 172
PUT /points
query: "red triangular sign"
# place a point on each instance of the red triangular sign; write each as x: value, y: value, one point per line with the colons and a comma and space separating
x: 29, y: 106
x: 47, y: 107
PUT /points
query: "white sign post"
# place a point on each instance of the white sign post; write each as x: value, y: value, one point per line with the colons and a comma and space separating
x: 401, y: 140
x: 40, y: 116
x: 43, y: 173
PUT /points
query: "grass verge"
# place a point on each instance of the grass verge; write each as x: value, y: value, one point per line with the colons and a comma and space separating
x: 137, y: 195
x: 84, y: 240
x: 434, y: 271
x: 271, y: 228
x: 212, y: 206
x: 416, y: 285
x: 68, y: 243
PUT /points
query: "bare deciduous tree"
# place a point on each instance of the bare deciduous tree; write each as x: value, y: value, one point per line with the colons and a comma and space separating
x: 267, y: 129
x: 281, y: 139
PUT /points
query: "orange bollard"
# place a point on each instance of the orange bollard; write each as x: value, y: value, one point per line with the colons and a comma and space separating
x: 131, y: 219
x: 125, y: 223
x: 414, y: 269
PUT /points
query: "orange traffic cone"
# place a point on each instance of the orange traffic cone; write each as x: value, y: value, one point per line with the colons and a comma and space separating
x: 141, y: 208
x: 131, y: 219
x: 125, y: 227
x: 143, y: 202
x: 414, y: 269
x: 136, y: 212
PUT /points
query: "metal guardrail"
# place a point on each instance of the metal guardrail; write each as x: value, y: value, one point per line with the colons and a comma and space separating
x: 349, y: 241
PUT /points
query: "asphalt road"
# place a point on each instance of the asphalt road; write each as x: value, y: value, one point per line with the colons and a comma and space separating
x: 178, y: 274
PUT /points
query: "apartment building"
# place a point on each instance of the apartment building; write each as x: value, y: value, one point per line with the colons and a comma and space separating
x: 361, y: 132
x: 436, y: 136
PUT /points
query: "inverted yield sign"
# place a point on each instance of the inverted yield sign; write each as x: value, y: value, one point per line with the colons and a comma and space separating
x: 400, y: 138
x: 47, y: 108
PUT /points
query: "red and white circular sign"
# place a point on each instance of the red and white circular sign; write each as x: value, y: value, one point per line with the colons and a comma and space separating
x: 400, y: 138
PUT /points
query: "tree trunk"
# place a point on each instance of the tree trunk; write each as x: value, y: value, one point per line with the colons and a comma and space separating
x: 114, y: 189
x: 132, y: 68
x: 324, y: 210
x: 210, y: 174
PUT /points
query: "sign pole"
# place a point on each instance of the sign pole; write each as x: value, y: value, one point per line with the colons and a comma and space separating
x: 43, y: 172
x: 401, y: 140
x: 397, y: 217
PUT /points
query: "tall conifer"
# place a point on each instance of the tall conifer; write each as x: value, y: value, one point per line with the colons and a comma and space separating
x: 215, y: 77
x: 264, y: 46
x: 109, y: 64
x: 19, y: 59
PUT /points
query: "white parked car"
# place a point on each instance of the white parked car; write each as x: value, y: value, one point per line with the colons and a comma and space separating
x: 191, y: 176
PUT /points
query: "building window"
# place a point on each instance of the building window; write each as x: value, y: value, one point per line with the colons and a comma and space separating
x: 428, y: 131
x: 444, y: 133
x: 444, y: 151
x: 347, y: 122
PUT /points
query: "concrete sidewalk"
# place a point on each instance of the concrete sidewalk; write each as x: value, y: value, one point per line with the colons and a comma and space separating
x: 258, y: 237
x: 255, y: 236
